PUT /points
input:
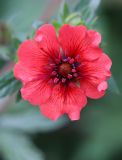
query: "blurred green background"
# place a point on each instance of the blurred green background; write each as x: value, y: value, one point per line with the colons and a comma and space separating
x: 24, y: 133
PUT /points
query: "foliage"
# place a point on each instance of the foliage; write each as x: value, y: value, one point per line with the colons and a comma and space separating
x: 8, y: 84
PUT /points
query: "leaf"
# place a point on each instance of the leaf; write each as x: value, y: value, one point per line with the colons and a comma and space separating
x: 8, y: 84
x: 74, y: 19
x: 18, y: 147
x: 92, y: 4
x: 15, y: 42
x: 18, y: 97
x: 4, y: 53
x: 8, y: 51
x: 64, y: 11
x: 88, y: 9
x: 29, y: 120
x: 2, y: 63
x: 113, y: 86
x: 56, y: 24
x: 72, y: 4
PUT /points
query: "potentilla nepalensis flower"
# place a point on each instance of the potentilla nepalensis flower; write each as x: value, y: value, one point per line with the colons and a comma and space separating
x: 59, y: 72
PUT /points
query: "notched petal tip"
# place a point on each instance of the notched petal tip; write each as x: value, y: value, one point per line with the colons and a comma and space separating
x: 44, y: 30
x: 95, y: 37
x: 102, y: 86
x: 74, y: 116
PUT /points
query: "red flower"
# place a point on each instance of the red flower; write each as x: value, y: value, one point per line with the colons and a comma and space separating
x: 59, y: 72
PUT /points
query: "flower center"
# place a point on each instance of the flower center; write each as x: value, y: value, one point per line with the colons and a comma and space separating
x: 65, y: 69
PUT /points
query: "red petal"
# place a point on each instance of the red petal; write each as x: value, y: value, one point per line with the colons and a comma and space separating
x: 71, y: 38
x: 36, y: 87
x: 91, y: 89
x: 47, y: 40
x: 94, y: 37
x: 94, y: 74
x: 105, y: 61
x: 69, y: 99
x: 102, y: 86
x: 33, y: 63
x: 79, y: 41
x: 91, y: 53
x: 23, y: 73
x: 32, y: 70
x: 28, y: 74
x: 30, y: 55
x: 99, y: 68
x: 36, y: 92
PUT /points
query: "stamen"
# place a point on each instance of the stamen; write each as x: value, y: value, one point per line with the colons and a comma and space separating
x: 75, y: 75
x: 54, y: 73
x: 69, y: 76
x: 73, y: 70
x: 64, y: 69
x: 68, y: 58
x: 65, y: 60
x: 56, y: 80
x: 71, y: 61
x: 73, y: 65
x: 63, y: 80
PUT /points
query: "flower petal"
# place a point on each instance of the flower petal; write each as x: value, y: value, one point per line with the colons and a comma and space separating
x: 94, y: 37
x: 23, y: 73
x: 99, y: 68
x: 94, y: 75
x: 102, y: 86
x: 36, y: 92
x: 30, y: 55
x: 37, y: 88
x: 105, y: 61
x: 91, y: 89
x: 69, y: 99
x: 91, y: 53
x: 47, y: 40
x: 79, y: 41
x: 32, y: 70
x: 71, y: 37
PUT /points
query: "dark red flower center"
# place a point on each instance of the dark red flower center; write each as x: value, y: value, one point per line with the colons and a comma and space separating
x: 65, y: 69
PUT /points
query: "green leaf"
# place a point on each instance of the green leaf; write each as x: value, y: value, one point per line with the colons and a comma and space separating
x: 2, y: 63
x: 74, y: 19
x: 72, y: 4
x: 4, y: 53
x: 88, y: 9
x: 18, y: 97
x: 8, y: 50
x: 113, y: 86
x: 56, y: 24
x: 64, y: 11
x: 8, y: 84
x: 29, y: 120
x: 18, y: 147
